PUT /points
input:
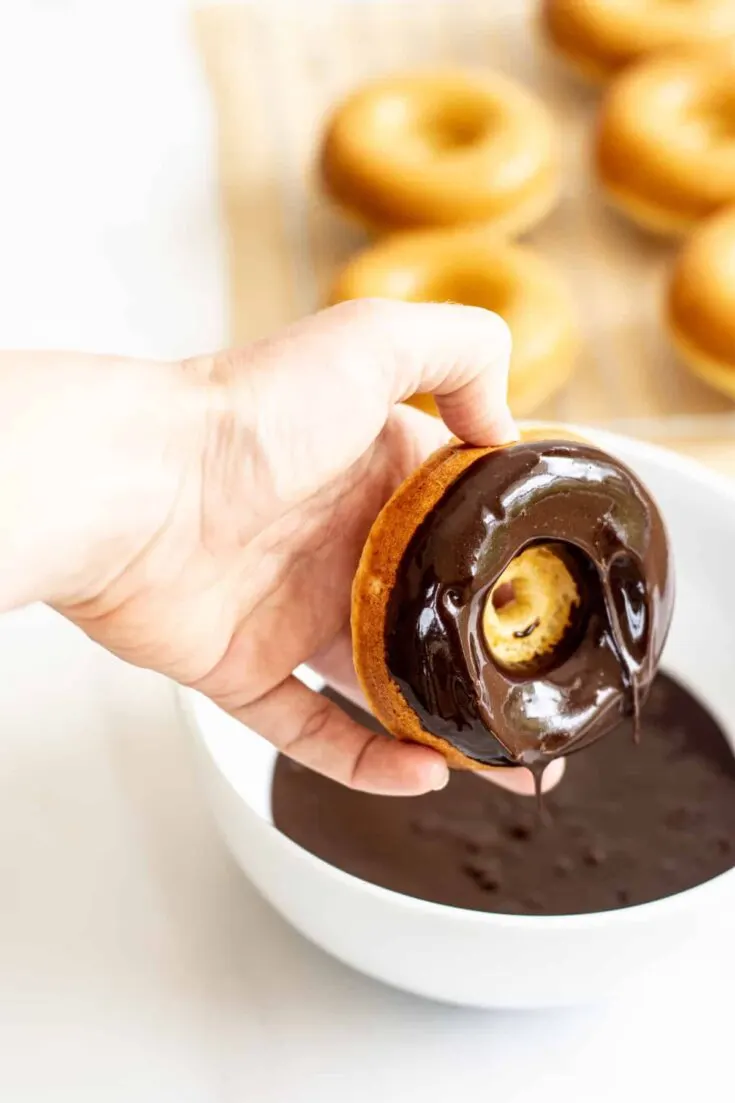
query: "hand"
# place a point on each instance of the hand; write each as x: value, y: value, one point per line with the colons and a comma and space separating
x: 205, y: 519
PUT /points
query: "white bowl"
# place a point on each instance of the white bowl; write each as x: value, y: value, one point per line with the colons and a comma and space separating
x: 476, y: 958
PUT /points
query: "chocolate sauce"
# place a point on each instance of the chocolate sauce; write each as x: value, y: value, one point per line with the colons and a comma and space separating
x: 592, y: 506
x: 626, y: 825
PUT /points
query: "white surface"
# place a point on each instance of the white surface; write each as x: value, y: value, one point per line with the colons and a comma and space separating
x: 452, y: 954
x: 136, y: 963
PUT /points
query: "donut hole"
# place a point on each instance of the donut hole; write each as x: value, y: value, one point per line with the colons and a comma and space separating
x: 502, y: 596
x: 711, y: 120
x: 435, y: 127
x: 534, y: 608
x: 720, y: 112
x: 454, y: 126
x: 515, y: 606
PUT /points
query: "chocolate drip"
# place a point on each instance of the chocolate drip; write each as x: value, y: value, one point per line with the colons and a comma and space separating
x: 584, y: 501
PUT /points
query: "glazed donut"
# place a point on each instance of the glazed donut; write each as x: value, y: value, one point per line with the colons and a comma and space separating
x: 511, y: 603
x: 701, y: 302
x: 439, y: 149
x: 598, y: 38
x: 474, y: 268
x: 665, y: 147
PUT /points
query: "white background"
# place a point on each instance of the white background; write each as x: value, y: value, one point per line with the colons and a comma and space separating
x: 136, y: 963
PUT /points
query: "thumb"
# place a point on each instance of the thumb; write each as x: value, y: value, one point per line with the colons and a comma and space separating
x: 459, y: 354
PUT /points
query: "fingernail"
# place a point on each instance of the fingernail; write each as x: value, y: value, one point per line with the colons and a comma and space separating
x: 438, y: 775
x: 552, y: 774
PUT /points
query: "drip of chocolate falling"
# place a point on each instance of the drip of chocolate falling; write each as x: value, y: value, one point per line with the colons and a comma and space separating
x: 537, y: 773
x: 592, y: 506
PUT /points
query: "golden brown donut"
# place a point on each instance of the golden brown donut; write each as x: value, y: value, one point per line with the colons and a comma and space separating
x: 665, y: 148
x: 701, y: 302
x: 471, y: 266
x: 486, y: 588
x: 439, y: 149
x: 598, y: 38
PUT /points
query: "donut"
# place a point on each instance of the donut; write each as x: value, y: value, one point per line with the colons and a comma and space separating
x: 512, y: 603
x: 701, y: 302
x: 665, y: 147
x: 473, y: 267
x: 440, y: 149
x: 598, y: 38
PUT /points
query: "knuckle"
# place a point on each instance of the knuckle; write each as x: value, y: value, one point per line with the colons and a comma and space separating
x: 314, y: 726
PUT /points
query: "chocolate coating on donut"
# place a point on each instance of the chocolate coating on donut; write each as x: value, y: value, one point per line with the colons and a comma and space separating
x: 544, y: 492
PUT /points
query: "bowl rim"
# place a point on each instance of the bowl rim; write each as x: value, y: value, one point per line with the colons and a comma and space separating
x: 651, y: 911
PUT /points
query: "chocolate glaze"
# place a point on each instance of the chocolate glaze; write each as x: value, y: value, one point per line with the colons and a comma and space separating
x: 627, y: 824
x: 573, y: 495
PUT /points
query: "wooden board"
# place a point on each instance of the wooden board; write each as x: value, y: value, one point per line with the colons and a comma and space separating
x: 276, y: 70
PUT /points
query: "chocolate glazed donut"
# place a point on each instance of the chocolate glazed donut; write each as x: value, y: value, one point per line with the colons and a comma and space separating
x: 528, y: 610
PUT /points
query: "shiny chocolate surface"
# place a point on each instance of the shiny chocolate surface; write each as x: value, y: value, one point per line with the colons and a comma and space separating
x: 568, y: 494
x: 626, y: 825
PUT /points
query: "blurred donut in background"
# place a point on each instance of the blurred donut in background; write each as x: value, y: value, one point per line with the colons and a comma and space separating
x: 440, y: 149
x: 701, y: 302
x: 473, y: 267
x: 665, y: 144
x: 598, y: 38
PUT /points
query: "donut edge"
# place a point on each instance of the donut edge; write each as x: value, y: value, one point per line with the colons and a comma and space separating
x: 373, y: 584
x: 518, y: 220
x: 653, y: 218
x: 686, y: 328
x: 716, y: 373
x: 579, y: 61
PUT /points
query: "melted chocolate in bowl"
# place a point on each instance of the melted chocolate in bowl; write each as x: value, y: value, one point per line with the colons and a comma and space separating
x: 569, y: 496
x: 627, y: 824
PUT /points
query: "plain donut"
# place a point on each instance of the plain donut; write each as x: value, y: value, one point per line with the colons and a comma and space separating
x: 665, y: 148
x: 438, y: 149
